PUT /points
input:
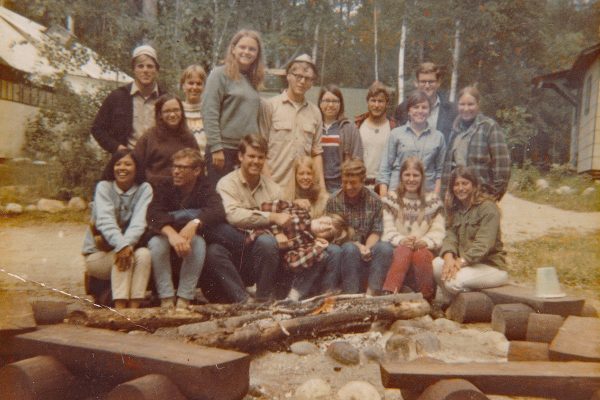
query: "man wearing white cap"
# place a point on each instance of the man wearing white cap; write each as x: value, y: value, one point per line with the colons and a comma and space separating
x: 128, y: 111
x: 291, y: 125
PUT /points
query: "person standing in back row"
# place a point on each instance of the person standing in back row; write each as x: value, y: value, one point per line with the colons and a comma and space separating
x: 292, y: 125
x: 443, y: 112
x: 231, y: 102
x: 128, y: 111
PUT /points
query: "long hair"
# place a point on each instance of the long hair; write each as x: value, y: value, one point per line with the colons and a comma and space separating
x: 315, y: 190
x: 478, y: 196
x: 335, y: 90
x: 256, y: 72
x: 109, y: 170
x: 162, y: 128
x: 414, y: 163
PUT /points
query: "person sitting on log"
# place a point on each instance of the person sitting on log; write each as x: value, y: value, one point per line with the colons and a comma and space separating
x: 413, y: 222
x: 472, y: 255
x: 303, y: 245
x: 113, y: 245
x: 179, y: 212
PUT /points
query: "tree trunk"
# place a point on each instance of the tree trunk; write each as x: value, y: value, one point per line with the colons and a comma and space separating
x: 375, y: 42
x: 401, y: 61
x: 315, y: 48
x: 455, y: 61
x: 150, y: 10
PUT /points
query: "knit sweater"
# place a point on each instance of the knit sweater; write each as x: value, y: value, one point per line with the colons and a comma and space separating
x: 407, y: 219
x: 230, y: 110
x: 193, y: 116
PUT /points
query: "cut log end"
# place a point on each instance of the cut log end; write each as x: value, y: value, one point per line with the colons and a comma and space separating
x: 149, y: 387
x: 452, y: 389
x: 511, y: 320
x: 471, y: 307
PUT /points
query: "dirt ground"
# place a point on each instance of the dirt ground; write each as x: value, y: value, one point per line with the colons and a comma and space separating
x: 49, y: 254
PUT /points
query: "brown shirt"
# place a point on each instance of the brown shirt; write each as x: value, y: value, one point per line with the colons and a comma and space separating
x: 143, y: 112
x: 292, y: 130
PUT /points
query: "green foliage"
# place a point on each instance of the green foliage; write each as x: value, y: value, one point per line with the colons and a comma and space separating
x: 61, y: 136
x: 523, y: 184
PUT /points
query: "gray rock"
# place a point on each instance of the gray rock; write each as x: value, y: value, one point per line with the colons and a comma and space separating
x: 542, y: 184
x: 427, y: 343
x: 313, y: 389
x: 344, y: 353
x: 51, y: 206
x: 358, y: 390
x: 13, y: 208
x: 401, y: 347
x: 77, y: 203
x: 303, y: 348
x: 588, y: 191
x: 373, y: 353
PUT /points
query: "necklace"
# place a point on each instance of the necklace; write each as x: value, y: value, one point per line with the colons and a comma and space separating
x: 373, y: 127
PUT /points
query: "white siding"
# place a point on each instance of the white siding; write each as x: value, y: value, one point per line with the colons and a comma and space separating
x: 13, y: 122
x: 589, y: 124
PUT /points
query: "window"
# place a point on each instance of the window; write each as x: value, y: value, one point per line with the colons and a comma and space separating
x: 26, y: 94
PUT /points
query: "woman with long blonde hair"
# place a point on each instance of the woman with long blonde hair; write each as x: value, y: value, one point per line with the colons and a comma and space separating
x: 231, y: 102
x: 306, y: 190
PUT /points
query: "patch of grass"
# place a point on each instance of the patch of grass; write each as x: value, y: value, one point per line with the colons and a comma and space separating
x: 575, y: 256
x: 42, y: 218
x: 522, y: 184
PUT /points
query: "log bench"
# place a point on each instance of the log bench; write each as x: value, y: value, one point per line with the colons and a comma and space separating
x: 200, y: 372
x: 578, y: 339
x: 510, y: 294
x: 560, y: 380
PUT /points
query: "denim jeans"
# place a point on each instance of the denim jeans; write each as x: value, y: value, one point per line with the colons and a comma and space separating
x: 353, y: 272
x: 232, y: 265
x: 191, y: 267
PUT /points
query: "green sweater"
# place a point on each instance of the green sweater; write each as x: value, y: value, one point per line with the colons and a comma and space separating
x: 474, y: 235
x: 230, y: 110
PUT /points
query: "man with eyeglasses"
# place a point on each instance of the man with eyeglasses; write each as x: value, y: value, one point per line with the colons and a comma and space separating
x: 128, y: 111
x: 292, y: 125
x: 179, y: 212
x: 443, y: 112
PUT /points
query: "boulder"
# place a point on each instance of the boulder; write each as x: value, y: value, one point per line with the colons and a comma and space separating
x: 373, y: 353
x: 358, y: 390
x: 542, y: 184
x: 588, y: 191
x: 427, y: 343
x: 77, y: 203
x: 13, y: 208
x: 313, y: 389
x: 565, y: 190
x: 445, y: 325
x: 344, y: 353
x: 31, y: 207
x: 303, y: 348
x: 50, y: 206
x: 401, y: 347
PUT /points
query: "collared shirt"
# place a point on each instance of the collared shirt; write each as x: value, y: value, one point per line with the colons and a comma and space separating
x: 403, y: 143
x: 242, y: 203
x: 291, y: 132
x: 364, y: 216
x: 143, y: 112
x: 432, y: 120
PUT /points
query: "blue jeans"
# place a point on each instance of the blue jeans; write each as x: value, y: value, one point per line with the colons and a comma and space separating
x: 231, y: 265
x: 191, y: 267
x: 353, y: 272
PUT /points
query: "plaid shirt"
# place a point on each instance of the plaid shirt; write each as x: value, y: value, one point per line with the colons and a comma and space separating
x: 302, y: 250
x: 487, y: 155
x: 364, y: 217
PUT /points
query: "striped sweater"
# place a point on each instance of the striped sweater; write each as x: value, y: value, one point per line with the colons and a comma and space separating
x: 426, y: 224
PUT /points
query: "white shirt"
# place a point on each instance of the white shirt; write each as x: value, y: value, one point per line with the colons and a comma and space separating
x: 374, y: 140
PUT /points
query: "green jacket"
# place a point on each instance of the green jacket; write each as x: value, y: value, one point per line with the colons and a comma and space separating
x: 475, y: 235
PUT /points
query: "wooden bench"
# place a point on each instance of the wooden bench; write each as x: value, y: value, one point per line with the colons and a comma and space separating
x: 200, y: 372
x: 560, y: 380
x: 510, y: 294
x: 578, y: 339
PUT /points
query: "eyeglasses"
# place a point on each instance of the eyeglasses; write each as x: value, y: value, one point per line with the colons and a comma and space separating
x: 171, y: 111
x: 300, y: 77
x: 425, y: 83
x: 330, y: 101
x: 182, y: 167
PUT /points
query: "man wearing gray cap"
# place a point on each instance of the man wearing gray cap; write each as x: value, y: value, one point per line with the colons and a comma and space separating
x: 128, y: 111
x: 291, y: 125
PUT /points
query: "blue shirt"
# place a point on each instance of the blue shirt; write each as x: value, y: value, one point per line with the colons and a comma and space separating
x: 403, y: 143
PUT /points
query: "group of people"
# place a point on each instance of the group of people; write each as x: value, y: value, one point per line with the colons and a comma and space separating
x: 228, y: 191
